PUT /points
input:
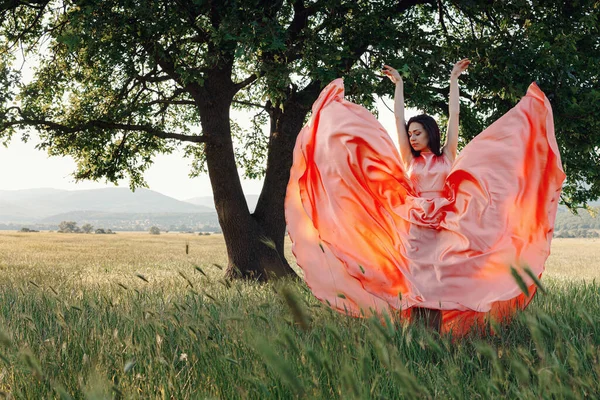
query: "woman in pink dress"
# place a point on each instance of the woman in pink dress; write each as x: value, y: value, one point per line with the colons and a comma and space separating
x: 452, y: 240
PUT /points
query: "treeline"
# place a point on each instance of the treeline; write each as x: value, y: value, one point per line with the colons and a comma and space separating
x: 577, y: 233
x: 582, y: 225
x: 180, y: 222
x: 73, y: 227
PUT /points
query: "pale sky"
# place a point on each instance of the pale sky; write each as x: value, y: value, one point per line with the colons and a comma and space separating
x: 24, y: 167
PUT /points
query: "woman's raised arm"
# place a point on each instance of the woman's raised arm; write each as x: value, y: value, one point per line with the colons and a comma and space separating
x: 451, y: 144
x: 405, y: 149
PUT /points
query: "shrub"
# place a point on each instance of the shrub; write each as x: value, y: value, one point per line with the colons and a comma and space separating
x: 87, y: 228
x: 68, y: 227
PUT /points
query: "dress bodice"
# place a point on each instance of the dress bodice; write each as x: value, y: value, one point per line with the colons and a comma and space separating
x: 428, y: 173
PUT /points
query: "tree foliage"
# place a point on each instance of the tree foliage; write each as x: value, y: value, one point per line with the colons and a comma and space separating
x: 556, y: 44
x: 68, y: 227
x: 87, y: 228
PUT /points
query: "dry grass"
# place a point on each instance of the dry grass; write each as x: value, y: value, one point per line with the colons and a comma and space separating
x: 574, y: 259
x: 77, y: 321
x: 103, y: 259
x: 78, y: 259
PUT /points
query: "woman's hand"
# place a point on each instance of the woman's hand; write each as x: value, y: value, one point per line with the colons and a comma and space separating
x: 392, y: 74
x: 459, y: 68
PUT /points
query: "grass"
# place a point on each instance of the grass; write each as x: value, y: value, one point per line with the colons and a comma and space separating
x: 133, y: 316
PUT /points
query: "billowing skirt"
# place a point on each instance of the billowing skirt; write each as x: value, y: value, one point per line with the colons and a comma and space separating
x: 368, y: 244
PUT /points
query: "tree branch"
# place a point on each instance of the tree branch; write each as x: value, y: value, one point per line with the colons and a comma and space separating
x: 191, y: 15
x: 168, y: 66
x: 64, y: 129
x: 41, y: 7
x: 446, y: 90
x: 119, y: 150
x: 299, y: 22
x: 171, y: 102
x: 152, y: 78
x: 198, y: 38
x: 404, y: 5
x: 249, y: 104
x: 12, y: 4
x: 441, y: 17
x: 248, y: 81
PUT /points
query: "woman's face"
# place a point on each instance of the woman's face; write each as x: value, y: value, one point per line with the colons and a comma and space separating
x: 419, y: 140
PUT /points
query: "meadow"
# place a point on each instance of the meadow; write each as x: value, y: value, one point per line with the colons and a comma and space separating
x: 136, y: 316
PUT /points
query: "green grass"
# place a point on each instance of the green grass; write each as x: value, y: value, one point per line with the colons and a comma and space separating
x: 74, y: 326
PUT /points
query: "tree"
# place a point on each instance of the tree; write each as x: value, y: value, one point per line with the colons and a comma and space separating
x: 87, y: 228
x: 154, y: 230
x: 68, y: 227
x: 121, y: 83
x: 557, y: 44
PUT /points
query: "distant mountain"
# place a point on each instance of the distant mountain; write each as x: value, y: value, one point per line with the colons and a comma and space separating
x: 121, y: 209
x: 9, y: 210
x: 204, y: 201
x: 207, y: 201
x: 33, y: 205
x: 99, y: 217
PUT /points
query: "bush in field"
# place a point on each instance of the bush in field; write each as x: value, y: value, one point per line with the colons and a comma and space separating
x: 577, y: 233
x: 68, y: 227
x: 101, y: 231
x: 87, y: 228
x: 28, y: 230
x: 154, y: 230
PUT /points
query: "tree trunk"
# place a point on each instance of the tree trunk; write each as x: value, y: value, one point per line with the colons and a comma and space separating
x: 253, y: 250
x: 269, y: 213
x: 255, y: 242
x: 286, y: 123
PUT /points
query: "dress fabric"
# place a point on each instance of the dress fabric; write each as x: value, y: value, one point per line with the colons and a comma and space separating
x: 374, y: 237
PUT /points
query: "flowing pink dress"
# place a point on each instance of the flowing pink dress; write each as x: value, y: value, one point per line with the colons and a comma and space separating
x: 372, y: 237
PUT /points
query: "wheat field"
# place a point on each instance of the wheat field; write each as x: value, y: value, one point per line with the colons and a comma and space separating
x: 134, y: 315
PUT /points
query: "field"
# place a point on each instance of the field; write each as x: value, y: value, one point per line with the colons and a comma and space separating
x: 135, y: 316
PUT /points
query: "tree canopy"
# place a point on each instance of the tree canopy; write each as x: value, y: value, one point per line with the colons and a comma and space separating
x: 556, y: 44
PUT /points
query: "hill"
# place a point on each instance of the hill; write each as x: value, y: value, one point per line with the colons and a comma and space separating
x: 584, y: 224
x: 207, y: 201
x: 121, y: 209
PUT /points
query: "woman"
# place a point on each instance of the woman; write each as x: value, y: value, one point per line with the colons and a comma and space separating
x: 422, y: 135
x: 424, y: 233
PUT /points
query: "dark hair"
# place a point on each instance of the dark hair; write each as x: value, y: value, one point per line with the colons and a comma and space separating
x: 433, y: 132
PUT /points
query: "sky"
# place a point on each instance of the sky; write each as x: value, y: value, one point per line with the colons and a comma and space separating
x: 24, y: 167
